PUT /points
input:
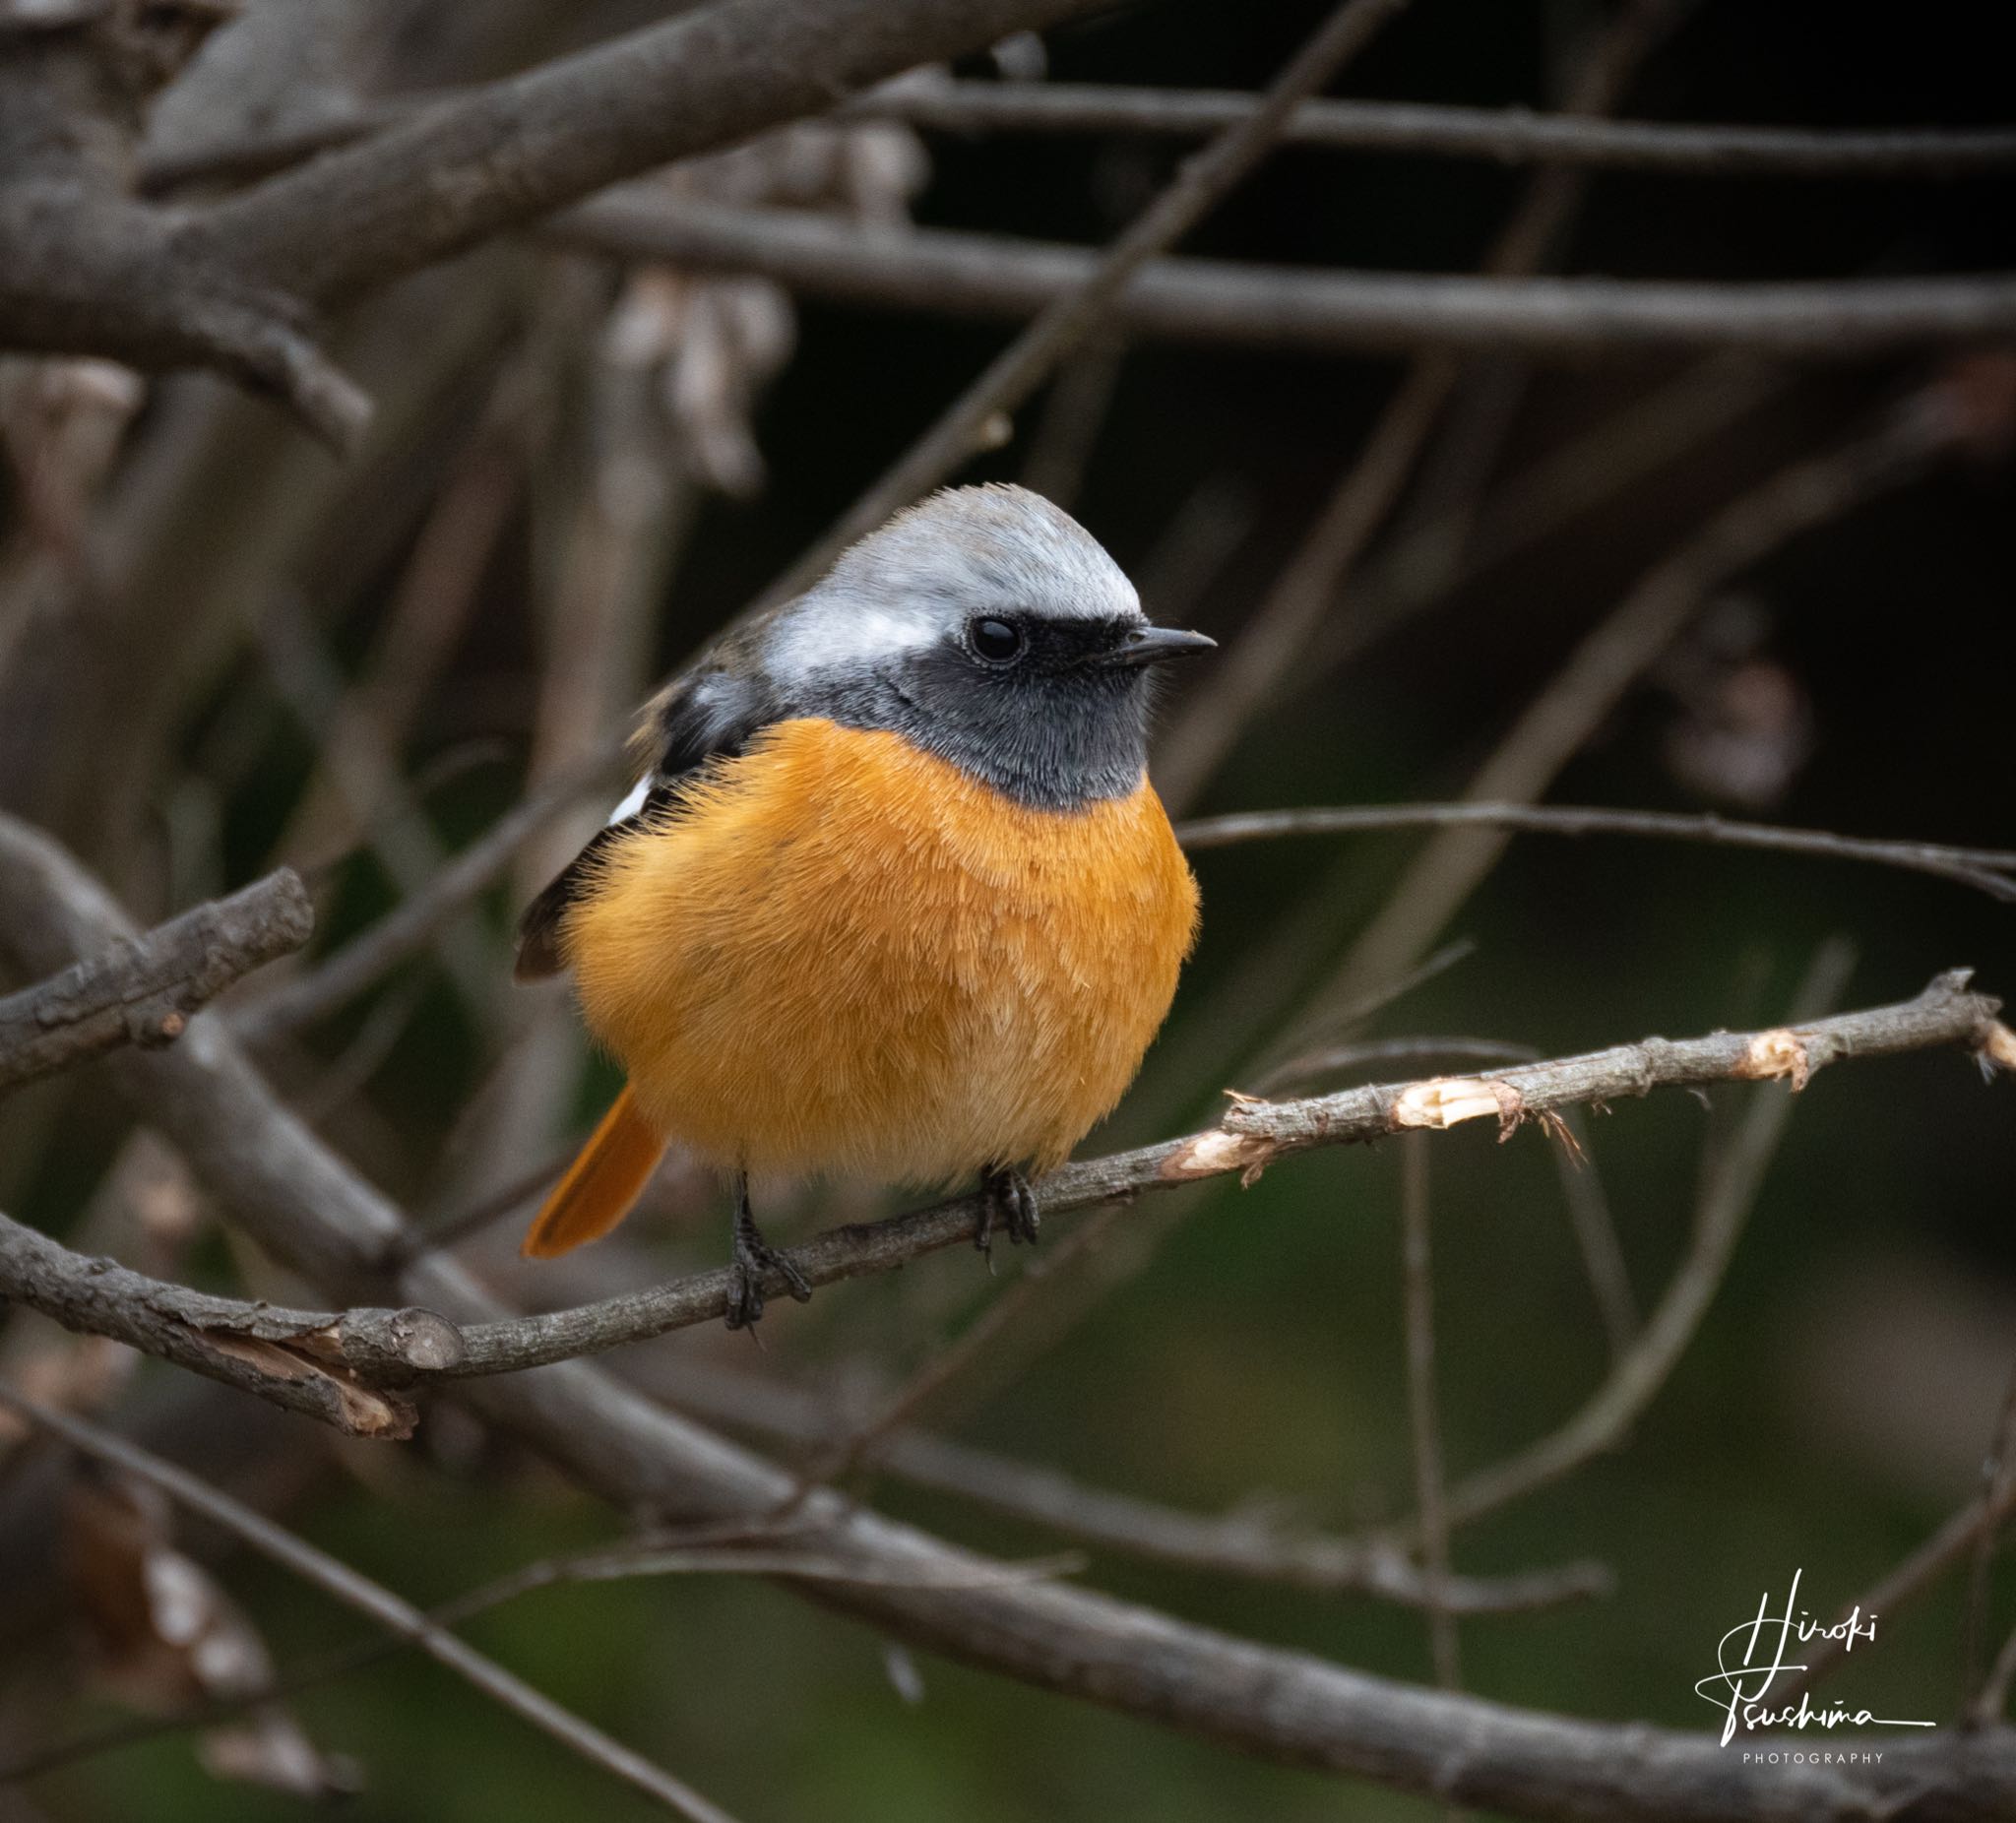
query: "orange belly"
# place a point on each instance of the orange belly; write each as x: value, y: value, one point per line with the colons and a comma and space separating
x: 842, y: 955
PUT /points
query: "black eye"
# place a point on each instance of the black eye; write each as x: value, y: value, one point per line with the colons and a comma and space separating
x: 996, y: 641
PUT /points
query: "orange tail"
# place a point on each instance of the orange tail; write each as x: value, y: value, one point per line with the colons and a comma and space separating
x: 607, y: 1178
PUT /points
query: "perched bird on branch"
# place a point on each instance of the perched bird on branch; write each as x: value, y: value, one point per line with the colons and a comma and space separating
x: 895, y: 899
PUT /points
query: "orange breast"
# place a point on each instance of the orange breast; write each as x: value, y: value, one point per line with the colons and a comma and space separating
x: 842, y: 955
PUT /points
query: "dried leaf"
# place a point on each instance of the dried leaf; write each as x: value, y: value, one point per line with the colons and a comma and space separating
x: 165, y: 1637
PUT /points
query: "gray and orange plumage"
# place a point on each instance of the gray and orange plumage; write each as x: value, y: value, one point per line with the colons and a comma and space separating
x: 897, y: 900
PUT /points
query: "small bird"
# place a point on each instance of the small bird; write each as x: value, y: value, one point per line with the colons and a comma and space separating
x: 895, y: 899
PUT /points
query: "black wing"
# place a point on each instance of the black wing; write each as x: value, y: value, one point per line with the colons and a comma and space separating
x: 708, y: 714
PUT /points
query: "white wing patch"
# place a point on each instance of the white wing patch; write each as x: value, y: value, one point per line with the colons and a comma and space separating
x: 632, y: 804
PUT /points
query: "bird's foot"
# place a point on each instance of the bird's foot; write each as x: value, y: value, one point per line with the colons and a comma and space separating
x: 755, y: 1258
x: 1005, y: 1196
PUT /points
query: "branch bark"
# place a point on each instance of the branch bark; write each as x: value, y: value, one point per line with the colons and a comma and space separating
x: 505, y: 154
x: 1988, y: 870
x: 340, y: 1367
x: 86, y: 269
x: 1251, y: 1546
x: 1511, y: 136
x: 144, y: 991
x: 1507, y: 136
x: 994, y: 276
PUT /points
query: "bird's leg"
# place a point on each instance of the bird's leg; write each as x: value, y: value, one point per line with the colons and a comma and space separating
x: 1005, y: 1192
x: 753, y: 1257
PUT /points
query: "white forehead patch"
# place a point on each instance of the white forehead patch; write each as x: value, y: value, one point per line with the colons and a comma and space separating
x: 968, y: 550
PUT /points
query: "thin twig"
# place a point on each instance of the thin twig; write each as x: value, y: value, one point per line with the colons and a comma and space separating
x: 368, y: 958
x: 1729, y: 1190
x: 1254, y: 1135
x: 1248, y: 1544
x: 1423, y: 1420
x: 1610, y: 660
x: 145, y: 991
x: 1204, y: 181
x: 1988, y: 870
x: 1278, y: 632
x: 1507, y: 134
x: 1998, y: 1479
x: 390, y: 1611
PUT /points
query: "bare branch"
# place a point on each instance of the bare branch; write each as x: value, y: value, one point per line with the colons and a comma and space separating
x: 1252, y: 1136
x: 1507, y: 136
x: 419, y: 916
x: 1985, y: 870
x: 1424, y: 1418
x: 307, y: 1207
x: 1275, y: 637
x: 342, y: 1368
x: 387, y: 1611
x: 1250, y: 1545
x: 1729, y: 1190
x: 994, y: 276
x: 1930, y: 425
x: 146, y: 990
x: 84, y: 268
x: 503, y: 156
x: 1511, y: 136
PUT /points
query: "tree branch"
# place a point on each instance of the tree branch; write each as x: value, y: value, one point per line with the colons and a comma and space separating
x: 144, y: 991
x: 1510, y: 135
x: 342, y: 1368
x: 419, y: 916
x: 85, y: 269
x: 994, y: 276
x: 1249, y: 1545
x: 1254, y: 1135
x: 1988, y: 870
x: 505, y: 154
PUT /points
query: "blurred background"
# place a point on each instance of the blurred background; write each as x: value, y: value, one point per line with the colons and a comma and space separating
x: 220, y: 649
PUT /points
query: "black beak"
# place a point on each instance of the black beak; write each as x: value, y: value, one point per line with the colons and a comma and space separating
x: 1153, y: 644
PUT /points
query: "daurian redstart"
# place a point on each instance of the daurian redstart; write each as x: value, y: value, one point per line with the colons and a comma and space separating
x: 895, y: 899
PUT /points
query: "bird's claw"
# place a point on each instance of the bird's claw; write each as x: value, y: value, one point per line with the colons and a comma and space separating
x: 754, y: 1259
x: 1005, y: 1194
